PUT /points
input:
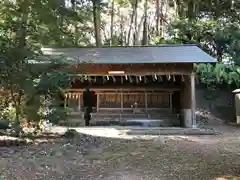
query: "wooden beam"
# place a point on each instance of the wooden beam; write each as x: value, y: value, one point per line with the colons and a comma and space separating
x: 134, y: 92
x: 117, y: 89
x: 131, y: 109
x: 143, y: 69
x: 139, y: 74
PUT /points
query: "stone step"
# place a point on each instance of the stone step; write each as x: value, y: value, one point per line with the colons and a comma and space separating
x: 121, y: 121
x: 131, y: 122
x: 123, y: 114
x: 110, y: 115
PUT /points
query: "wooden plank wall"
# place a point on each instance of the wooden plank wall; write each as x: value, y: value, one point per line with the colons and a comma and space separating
x: 123, y: 100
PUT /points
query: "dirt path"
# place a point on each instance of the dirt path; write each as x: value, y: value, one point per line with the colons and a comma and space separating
x: 86, y: 158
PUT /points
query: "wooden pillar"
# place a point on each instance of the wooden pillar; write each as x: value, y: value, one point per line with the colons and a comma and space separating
x: 146, y: 102
x: 185, y: 96
x: 237, y: 105
x: 121, y: 102
x: 79, y: 102
x: 98, y: 101
x: 170, y: 100
x: 193, y: 100
x: 65, y: 100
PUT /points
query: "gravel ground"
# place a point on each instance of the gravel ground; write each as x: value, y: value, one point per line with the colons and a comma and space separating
x: 98, y: 158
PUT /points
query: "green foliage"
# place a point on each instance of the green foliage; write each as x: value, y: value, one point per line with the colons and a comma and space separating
x: 220, y: 39
x: 70, y: 133
x: 51, y: 82
x: 8, y: 113
x: 28, y: 95
x: 4, y: 124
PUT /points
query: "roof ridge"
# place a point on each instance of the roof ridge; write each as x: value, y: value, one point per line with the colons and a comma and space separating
x: 135, y: 46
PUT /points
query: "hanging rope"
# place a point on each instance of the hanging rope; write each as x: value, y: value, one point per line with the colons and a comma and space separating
x: 160, y: 79
x: 130, y: 79
x: 174, y: 78
x: 137, y: 81
x: 182, y: 79
x: 145, y: 79
x: 89, y: 79
x: 104, y: 80
x: 155, y: 77
x: 169, y: 77
x: 114, y: 79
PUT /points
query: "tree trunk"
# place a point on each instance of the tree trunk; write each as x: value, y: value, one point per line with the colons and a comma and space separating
x: 97, y: 21
x: 138, y: 31
x: 175, y: 7
x: 219, y: 51
x: 217, y: 9
x: 73, y: 2
x: 135, y: 37
x: 191, y: 13
x: 17, y: 126
x: 180, y: 9
x: 157, y: 16
x: 60, y: 19
x: 17, y: 104
x: 121, y: 27
x: 134, y: 7
x: 112, y: 21
x: 22, y: 30
x: 145, y: 24
x: 162, y: 18
x: 233, y: 4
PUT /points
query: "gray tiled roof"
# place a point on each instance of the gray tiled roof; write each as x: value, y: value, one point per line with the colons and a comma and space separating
x: 137, y: 54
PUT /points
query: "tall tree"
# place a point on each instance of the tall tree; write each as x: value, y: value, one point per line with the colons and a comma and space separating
x: 134, y: 5
x: 135, y: 34
x: 145, y: 24
x: 157, y: 16
x: 122, y: 40
x: 112, y: 21
x: 97, y: 21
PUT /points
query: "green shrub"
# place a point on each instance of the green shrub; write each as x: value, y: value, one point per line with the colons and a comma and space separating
x: 4, y: 124
x: 29, y: 135
x: 70, y: 133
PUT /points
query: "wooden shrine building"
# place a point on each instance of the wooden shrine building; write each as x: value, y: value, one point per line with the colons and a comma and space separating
x: 149, y: 80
